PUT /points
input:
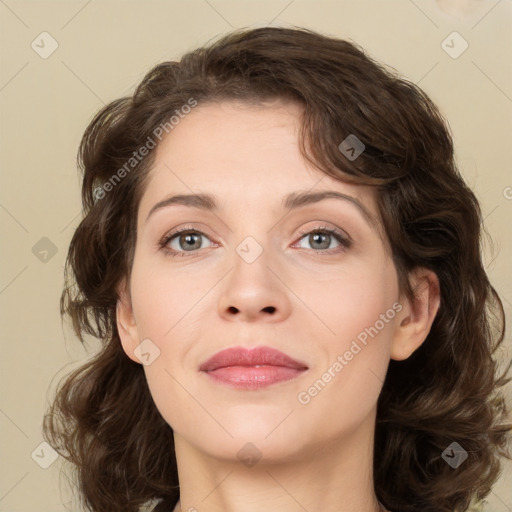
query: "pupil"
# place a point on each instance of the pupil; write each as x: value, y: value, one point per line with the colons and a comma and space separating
x: 189, y: 241
x: 316, y: 235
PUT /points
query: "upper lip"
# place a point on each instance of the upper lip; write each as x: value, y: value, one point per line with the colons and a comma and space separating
x: 259, y: 356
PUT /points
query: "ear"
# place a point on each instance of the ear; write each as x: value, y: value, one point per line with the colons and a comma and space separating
x: 126, y: 324
x: 417, y: 315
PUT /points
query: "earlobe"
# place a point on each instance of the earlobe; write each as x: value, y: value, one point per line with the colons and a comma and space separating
x: 126, y: 324
x: 417, y: 315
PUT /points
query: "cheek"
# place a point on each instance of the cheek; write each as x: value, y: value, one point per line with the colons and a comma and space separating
x: 169, y: 311
x: 360, y: 310
x: 346, y: 384
x: 349, y: 302
x: 166, y: 300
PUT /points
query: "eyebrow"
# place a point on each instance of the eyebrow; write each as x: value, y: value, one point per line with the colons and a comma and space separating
x: 292, y: 201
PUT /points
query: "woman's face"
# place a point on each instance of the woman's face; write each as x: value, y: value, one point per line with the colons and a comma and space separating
x: 253, y: 272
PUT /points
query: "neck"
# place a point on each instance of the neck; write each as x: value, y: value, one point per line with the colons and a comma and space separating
x: 337, y: 477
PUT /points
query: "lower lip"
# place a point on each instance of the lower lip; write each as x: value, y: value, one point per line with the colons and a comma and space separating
x: 253, y: 377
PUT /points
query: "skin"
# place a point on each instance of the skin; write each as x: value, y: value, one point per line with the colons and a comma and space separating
x: 314, y: 456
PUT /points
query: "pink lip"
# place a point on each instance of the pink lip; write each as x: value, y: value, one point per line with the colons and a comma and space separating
x: 252, y: 369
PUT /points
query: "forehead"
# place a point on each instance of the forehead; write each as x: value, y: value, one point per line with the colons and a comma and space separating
x: 245, y: 154
x: 230, y: 139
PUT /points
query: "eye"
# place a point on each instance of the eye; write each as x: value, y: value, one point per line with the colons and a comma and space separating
x: 188, y: 241
x: 320, y: 239
x: 182, y: 242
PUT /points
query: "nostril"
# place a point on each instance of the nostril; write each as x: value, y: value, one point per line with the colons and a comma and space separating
x: 269, y: 309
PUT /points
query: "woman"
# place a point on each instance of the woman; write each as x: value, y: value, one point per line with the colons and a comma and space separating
x: 284, y: 266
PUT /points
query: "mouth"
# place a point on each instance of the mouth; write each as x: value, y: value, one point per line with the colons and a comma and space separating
x: 260, y: 367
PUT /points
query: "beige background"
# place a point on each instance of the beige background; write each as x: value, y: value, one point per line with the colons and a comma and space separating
x: 104, y: 49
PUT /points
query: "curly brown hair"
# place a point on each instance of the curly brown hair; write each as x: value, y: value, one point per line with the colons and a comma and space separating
x: 446, y: 391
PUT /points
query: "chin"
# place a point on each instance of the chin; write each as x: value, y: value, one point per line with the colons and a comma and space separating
x: 252, y: 448
x: 265, y: 436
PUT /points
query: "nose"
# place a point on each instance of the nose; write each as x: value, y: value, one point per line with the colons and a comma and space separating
x: 254, y: 292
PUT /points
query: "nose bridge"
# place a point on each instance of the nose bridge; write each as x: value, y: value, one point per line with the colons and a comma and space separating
x: 252, y: 232
x: 252, y: 263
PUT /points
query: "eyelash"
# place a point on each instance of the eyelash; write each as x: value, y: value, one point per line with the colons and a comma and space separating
x: 343, y: 240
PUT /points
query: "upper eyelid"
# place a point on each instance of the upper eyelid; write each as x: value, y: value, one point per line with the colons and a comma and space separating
x: 342, y: 232
x: 301, y: 230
